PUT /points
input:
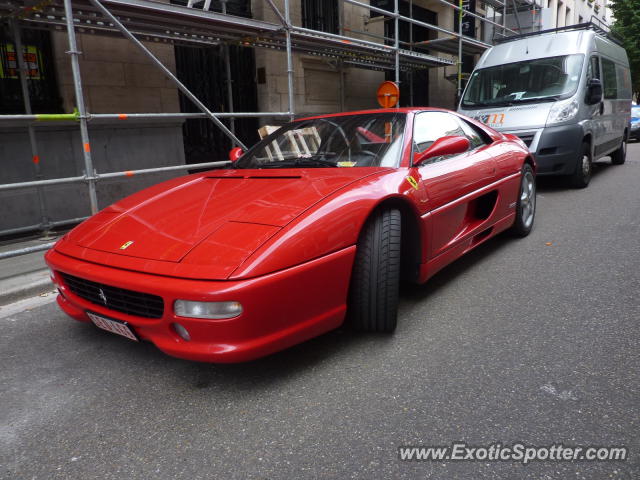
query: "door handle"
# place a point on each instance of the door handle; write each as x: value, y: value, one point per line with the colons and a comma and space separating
x: 601, y: 108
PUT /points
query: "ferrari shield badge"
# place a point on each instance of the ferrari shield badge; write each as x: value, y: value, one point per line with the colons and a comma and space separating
x: 413, y: 182
x: 126, y: 245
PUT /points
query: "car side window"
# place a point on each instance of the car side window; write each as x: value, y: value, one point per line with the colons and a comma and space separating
x: 476, y: 139
x: 430, y: 126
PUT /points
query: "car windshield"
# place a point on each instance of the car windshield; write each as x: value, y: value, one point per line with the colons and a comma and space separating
x: 531, y: 81
x: 367, y: 140
x: 635, y: 112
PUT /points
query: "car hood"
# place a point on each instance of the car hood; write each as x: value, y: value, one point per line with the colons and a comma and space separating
x: 516, y: 117
x: 213, y: 220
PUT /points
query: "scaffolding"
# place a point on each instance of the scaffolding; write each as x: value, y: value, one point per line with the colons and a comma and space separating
x: 196, y: 24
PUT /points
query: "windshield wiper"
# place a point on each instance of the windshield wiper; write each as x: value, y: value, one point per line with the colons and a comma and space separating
x: 310, y: 161
x: 505, y: 103
x: 537, y: 99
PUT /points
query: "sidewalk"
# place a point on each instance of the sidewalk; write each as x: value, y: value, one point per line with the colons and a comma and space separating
x: 25, y: 275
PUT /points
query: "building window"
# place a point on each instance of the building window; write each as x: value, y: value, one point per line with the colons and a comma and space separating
x: 320, y: 15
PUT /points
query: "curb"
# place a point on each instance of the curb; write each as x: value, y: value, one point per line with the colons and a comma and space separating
x: 30, y: 285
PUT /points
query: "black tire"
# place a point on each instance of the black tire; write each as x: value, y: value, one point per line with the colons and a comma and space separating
x: 526, y: 204
x: 375, y: 281
x: 619, y: 156
x: 584, y: 168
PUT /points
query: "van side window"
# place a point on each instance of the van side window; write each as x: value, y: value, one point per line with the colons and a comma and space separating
x: 610, y: 80
x: 594, y: 68
x: 624, y: 82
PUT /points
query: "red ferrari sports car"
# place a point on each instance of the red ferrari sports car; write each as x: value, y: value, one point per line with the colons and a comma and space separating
x: 315, y: 224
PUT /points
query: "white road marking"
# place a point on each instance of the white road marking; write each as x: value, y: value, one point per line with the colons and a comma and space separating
x: 7, y: 311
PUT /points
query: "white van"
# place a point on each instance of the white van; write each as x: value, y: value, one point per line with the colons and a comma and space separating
x: 565, y: 92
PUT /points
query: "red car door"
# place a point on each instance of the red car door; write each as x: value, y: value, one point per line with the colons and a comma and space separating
x: 456, y: 186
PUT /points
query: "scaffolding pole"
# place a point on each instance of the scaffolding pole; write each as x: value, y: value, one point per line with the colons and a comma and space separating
x: 227, y: 71
x: 340, y: 62
x: 460, y: 17
x: 35, y: 157
x: 411, y: 102
x: 287, y: 26
x: 51, y: 119
x: 396, y: 37
x: 82, y: 113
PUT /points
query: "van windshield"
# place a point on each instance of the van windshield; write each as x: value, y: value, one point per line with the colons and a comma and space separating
x: 542, y: 79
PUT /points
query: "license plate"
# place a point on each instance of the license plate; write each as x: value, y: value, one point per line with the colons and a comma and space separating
x: 113, y: 326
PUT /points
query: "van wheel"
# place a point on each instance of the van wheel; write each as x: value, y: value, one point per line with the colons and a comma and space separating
x: 375, y: 281
x: 619, y: 156
x: 582, y: 175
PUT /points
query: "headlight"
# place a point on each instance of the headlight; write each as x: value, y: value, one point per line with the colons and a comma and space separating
x: 187, y: 308
x: 563, y: 111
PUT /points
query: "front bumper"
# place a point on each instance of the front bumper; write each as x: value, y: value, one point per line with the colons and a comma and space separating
x: 558, y: 150
x: 279, y: 309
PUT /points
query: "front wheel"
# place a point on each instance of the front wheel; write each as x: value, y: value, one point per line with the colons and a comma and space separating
x: 526, y: 204
x: 582, y: 175
x: 375, y: 281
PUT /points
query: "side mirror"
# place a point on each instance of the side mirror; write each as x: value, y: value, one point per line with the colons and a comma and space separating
x: 450, y: 145
x: 235, y: 154
x: 594, y: 91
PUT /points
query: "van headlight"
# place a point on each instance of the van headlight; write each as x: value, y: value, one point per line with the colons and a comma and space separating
x: 216, y: 310
x: 563, y: 111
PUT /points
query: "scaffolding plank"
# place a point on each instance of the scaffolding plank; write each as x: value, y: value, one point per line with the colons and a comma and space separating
x: 157, y: 21
x: 470, y: 46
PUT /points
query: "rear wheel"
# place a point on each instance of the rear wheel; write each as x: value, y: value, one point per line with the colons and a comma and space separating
x: 526, y: 205
x: 582, y: 175
x: 619, y: 156
x: 375, y: 282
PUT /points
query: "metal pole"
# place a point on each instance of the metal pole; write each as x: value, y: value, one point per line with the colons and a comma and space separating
x: 396, y: 37
x: 287, y: 17
x: 77, y: 84
x: 24, y: 251
x: 411, y: 101
x: 460, y: 15
x: 340, y: 60
x: 517, y: 17
x: 227, y: 71
x: 22, y: 73
x: 167, y: 72
x: 504, y: 18
x: 48, y: 119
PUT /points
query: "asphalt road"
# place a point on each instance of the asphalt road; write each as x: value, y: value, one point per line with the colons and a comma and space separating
x: 532, y: 341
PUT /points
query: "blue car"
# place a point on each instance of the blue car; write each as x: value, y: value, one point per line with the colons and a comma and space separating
x: 635, y: 122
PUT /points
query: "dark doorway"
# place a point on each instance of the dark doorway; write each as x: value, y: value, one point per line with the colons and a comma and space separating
x: 414, y: 85
x: 202, y: 70
x: 43, y: 86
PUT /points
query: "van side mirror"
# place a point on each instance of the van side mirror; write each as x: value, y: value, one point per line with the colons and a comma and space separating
x: 449, y: 145
x: 235, y: 154
x: 594, y: 91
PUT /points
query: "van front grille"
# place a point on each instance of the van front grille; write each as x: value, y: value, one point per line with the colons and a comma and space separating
x: 115, y: 298
x: 527, y: 139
